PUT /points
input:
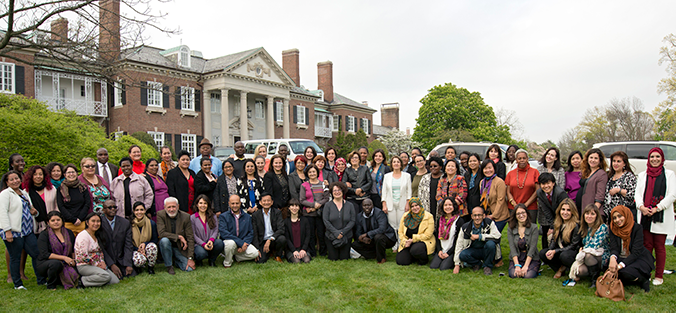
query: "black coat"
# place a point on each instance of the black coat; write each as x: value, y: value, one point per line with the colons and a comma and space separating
x: 473, y: 195
x: 119, y: 248
x: 638, y: 253
x: 294, y: 185
x: 203, y: 186
x: 305, y: 231
x: 280, y: 195
x: 574, y: 244
x: 258, y: 222
x: 359, y: 178
x: 178, y: 187
x: 501, y: 169
x: 379, y: 225
x: 45, y: 247
x: 329, y: 175
x: 222, y: 194
x: 547, y: 211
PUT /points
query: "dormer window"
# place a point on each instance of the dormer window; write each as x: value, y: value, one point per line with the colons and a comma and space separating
x: 184, y: 56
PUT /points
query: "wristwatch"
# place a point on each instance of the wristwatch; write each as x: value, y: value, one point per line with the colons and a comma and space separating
x: 190, y: 258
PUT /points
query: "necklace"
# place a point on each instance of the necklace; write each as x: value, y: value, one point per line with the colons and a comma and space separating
x: 524, y: 179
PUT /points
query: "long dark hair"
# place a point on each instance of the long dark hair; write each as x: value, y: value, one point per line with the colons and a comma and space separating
x: 440, y: 207
x: 100, y: 236
x: 51, y: 166
x: 516, y: 148
x: 570, y: 157
x: 586, y: 170
x: 271, y: 168
x: 210, y: 211
x: 28, y: 184
x: 255, y: 173
x: 625, y: 159
x: 557, y: 164
x: 513, y: 222
x: 496, y: 148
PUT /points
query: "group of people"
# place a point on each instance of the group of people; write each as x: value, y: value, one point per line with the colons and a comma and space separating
x: 112, y: 221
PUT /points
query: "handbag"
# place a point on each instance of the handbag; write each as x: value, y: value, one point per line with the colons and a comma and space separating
x: 609, y: 286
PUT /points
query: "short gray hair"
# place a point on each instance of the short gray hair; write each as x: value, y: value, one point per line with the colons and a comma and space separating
x: 521, y: 151
x: 170, y: 199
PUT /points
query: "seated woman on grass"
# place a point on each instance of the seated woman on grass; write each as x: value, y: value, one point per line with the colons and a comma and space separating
x: 416, y: 235
x: 594, y: 253
x: 564, y: 247
x: 524, y: 261
x: 628, y: 256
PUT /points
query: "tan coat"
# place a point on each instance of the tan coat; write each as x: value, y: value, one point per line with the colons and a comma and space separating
x: 497, y: 200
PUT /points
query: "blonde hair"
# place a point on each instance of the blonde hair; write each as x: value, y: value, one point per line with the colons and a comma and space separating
x: 258, y: 149
x: 569, y: 224
x: 84, y: 160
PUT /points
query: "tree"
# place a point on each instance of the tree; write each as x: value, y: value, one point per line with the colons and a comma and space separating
x: 350, y: 142
x: 447, y: 108
x: 145, y: 138
x: 664, y: 113
x: 376, y: 144
x: 505, y: 117
x: 397, y: 141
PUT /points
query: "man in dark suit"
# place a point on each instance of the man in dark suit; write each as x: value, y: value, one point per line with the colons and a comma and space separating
x: 268, y: 227
x: 374, y: 233
x: 176, y: 238
x: 118, y: 248
x: 106, y: 170
x: 549, y: 197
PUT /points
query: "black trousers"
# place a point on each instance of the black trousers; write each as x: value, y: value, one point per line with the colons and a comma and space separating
x: 317, y: 231
x: 545, y: 242
x: 442, y: 264
x: 340, y: 253
x: 632, y: 275
x: 376, y: 249
x: 565, y: 258
x: 277, y: 246
x: 51, y: 270
x: 417, y: 252
x: 377, y: 200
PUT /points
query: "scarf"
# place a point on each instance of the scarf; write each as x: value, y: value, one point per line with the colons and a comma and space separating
x: 485, y: 189
x: 71, y: 184
x: 656, y: 186
x: 379, y: 178
x: 412, y: 220
x: 38, y: 203
x: 335, y: 168
x: 56, y: 183
x: 166, y: 167
x: 141, y: 231
x: 472, y: 176
x: 68, y: 275
x: 445, y: 226
x: 623, y: 232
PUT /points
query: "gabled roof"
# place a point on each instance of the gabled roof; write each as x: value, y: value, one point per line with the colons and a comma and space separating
x: 226, y: 61
x: 152, y: 55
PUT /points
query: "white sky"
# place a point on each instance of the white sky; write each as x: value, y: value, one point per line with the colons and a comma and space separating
x: 547, y: 60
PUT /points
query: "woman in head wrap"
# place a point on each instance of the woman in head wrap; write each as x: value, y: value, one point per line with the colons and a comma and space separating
x: 416, y: 235
x: 628, y: 257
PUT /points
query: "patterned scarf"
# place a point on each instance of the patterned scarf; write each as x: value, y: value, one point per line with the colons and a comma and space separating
x: 485, y: 189
x: 445, y: 226
x: 68, y: 275
x: 71, y: 184
x: 335, y: 168
x: 166, y: 167
x: 379, y: 178
x: 412, y: 220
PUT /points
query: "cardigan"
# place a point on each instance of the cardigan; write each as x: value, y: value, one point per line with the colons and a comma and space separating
x: 222, y: 194
x: 11, y: 210
x: 594, y: 190
x: 203, y: 186
x: 45, y: 247
x: 139, y: 190
x: 425, y: 232
x: 202, y: 232
x: 76, y: 208
x: 183, y: 228
x: 666, y: 205
x: 547, y: 210
x: 531, y: 236
x: 359, y: 178
x: 87, y: 250
x: 280, y: 199
x: 497, y: 200
x: 178, y: 187
x: 305, y: 234
x: 405, y: 190
x: 333, y: 222
x: 308, y: 198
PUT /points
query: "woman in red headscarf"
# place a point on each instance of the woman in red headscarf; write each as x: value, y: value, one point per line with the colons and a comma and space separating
x: 655, y: 196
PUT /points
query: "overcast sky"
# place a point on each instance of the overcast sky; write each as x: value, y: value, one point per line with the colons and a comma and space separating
x: 547, y: 60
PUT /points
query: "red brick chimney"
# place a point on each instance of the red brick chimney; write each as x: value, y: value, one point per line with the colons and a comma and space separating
x: 60, y: 29
x: 325, y: 79
x: 290, y: 63
x: 389, y: 115
x: 109, y: 30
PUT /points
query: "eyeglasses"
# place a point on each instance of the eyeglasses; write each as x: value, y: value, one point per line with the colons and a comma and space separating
x: 112, y: 207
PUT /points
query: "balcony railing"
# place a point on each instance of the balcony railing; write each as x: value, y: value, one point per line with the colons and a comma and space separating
x: 323, y: 132
x: 81, y: 107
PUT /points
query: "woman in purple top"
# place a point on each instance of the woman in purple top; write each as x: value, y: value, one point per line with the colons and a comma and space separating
x: 573, y: 174
x: 205, y: 231
x: 158, y: 186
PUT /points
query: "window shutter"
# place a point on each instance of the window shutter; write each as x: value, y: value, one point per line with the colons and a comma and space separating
x: 177, y: 144
x: 177, y: 98
x: 19, y: 83
x: 295, y: 114
x: 340, y: 122
x: 274, y: 111
x: 307, y: 116
x: 124, y: 93
x: 197, y: 100
x: 370, y: 127
x: 199, y: 139
x: 167, y: 140
x: 361, y: 124
x: 165, y: 96
x: 111, y: 95
x: 124, y: 133
x: 144, y: 93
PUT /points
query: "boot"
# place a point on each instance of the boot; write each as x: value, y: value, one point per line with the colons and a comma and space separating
x: 151, y: 270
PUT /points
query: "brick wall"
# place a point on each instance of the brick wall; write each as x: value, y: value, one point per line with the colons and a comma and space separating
x: 28, y: 73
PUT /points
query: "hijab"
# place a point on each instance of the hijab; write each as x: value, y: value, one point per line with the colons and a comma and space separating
x: 656, y: 181
x: 412, y: 220
x: 623, y: 232
x: 335, y: 168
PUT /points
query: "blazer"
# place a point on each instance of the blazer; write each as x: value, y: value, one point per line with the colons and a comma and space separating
x: 114, y: 169
x: 294, y: 185
x: 228, y: 229
x: 404, y: 189
x: 488, y: 232
x: 305, y: 231
x: 139, y: 190
x: 11, y: 210
x: 359, y: 178
x: 178, y: 187
x: 243, y: 191
x: 119, y: 248
x: 497, y: 200
x: 574, y: 244
x: 45, y: 247
x: 425, y: 232
x: 202, y: 237
x: 547, y: 210
x: 258, y: 222
x: 203, y: 186
x: 222, y: 194
x: 280, y: 197
x: 638, y: 253
x: 668, y: 226
x: 595, y: 190
x: 183, y: 228
x: 501, y: 169
x: 531, y: 236
x: 379, y: 225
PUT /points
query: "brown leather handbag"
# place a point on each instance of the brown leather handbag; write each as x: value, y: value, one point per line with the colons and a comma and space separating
x: 609, y: 286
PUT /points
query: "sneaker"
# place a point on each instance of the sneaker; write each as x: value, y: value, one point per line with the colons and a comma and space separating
x: 20, y: 288
x: 488, y: 271
x: 668, y: 272
x: 658, y: 281
x: 171, y: 271
x: 571, y: 283
x: 476, y: 268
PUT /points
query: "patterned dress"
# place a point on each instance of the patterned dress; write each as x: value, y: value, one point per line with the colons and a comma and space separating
x: 598, y: 240
x: 628, y: 182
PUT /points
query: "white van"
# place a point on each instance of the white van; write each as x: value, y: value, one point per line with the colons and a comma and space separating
x: 637, y: 151
x: 296, y: 146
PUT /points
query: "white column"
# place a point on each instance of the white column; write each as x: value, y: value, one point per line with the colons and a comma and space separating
x: 270, y: 121
x: 206, y: 112
x: 243, y: 119
x: 225, y: 119
x: 287, y: 120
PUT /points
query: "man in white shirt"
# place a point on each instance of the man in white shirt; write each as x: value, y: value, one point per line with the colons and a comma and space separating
x: 106, y: 170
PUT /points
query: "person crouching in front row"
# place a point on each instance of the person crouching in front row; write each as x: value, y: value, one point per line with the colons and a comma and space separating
x: 236, y: 232
x: 176, y: 237
x: 477, y: 243
x: 268, y: 230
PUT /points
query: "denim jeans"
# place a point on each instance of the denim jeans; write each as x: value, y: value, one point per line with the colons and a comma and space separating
x: 14, y: 248
x: 201, y: 253
x: 169, y: 252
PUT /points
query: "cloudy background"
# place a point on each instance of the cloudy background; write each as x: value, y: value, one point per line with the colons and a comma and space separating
x: 547, y: 60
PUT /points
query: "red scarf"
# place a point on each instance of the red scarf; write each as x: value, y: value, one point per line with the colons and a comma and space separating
x: 653, y: 173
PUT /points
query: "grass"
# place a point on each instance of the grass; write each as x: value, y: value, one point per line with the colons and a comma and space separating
x: 323, y: 285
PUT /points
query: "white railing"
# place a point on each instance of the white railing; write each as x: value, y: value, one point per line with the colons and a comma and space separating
x: 81, y: 107
x: 323, y: 132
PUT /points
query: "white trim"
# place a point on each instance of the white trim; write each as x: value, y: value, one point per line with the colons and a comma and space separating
x: 158, y: 137
x: 7, y: 77
x: 300, y: 112
x: 187, y: 98
x: 155, y: 97
x: 117, y: 93
x: 280, y: 111
x: 189, y: 143
x: 259, y: 109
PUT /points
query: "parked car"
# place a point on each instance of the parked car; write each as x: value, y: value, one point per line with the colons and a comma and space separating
x: 637, y: 151
x: 296, y: 146
x: 223, y: 153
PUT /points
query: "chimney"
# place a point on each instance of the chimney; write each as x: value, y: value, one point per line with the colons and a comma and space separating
x: 109, y: 30
x: 389, y: 115
x: 325, y: 79
x: 60, y: 29
x: 290, y: 62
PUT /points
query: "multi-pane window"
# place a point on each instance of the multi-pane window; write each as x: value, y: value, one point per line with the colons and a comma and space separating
x: 215, y: 103
x: 300, y: 115
x: 217, y: 140
x: 154, y: 94
x: 365, y: 125
x: 189, y: 143
x: 118, y: 93
x: 335, y: 123
x: 7, y: 77
x: 158, y: 137
x: 351, y: 123
x: 184, y: 57
x: 117, y: 135
x: 260, y: 111
x: 187, y: 98
x: 280, y: 111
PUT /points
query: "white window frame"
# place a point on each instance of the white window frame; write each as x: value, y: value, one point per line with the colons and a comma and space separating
x: 215, y: 103
x: 300, y: 112
x: 217, y: 140
x: 7, y: 78
x: 351, y: 121
x: 260, y: 109
x: 187, y: 98
x: 189, y: 143
x: 334, y: 123
x: 155, y: 94
x: 118, y: 93
x: 184, y: 57
x: 158, y: 137
x: 365, y: 125
x: 280, y: 111
x: 117, y: 135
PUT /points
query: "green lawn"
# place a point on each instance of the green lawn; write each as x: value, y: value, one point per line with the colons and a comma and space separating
x: 353, y: 285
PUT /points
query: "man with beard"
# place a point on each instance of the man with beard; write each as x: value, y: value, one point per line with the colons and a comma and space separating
x: 176, y: 238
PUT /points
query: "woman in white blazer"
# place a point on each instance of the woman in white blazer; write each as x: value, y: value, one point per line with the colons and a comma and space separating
x: 396, y: 192
x: 655, y: 196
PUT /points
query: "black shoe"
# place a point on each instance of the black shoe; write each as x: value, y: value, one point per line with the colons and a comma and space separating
x: 476, y: 268
x: 593, y: 284
x: 646, y: 285
x: 80, y: 285
x: 138, y: 270
x: 151, y: 270
x: 171, y: 271
x: 212, y: 263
